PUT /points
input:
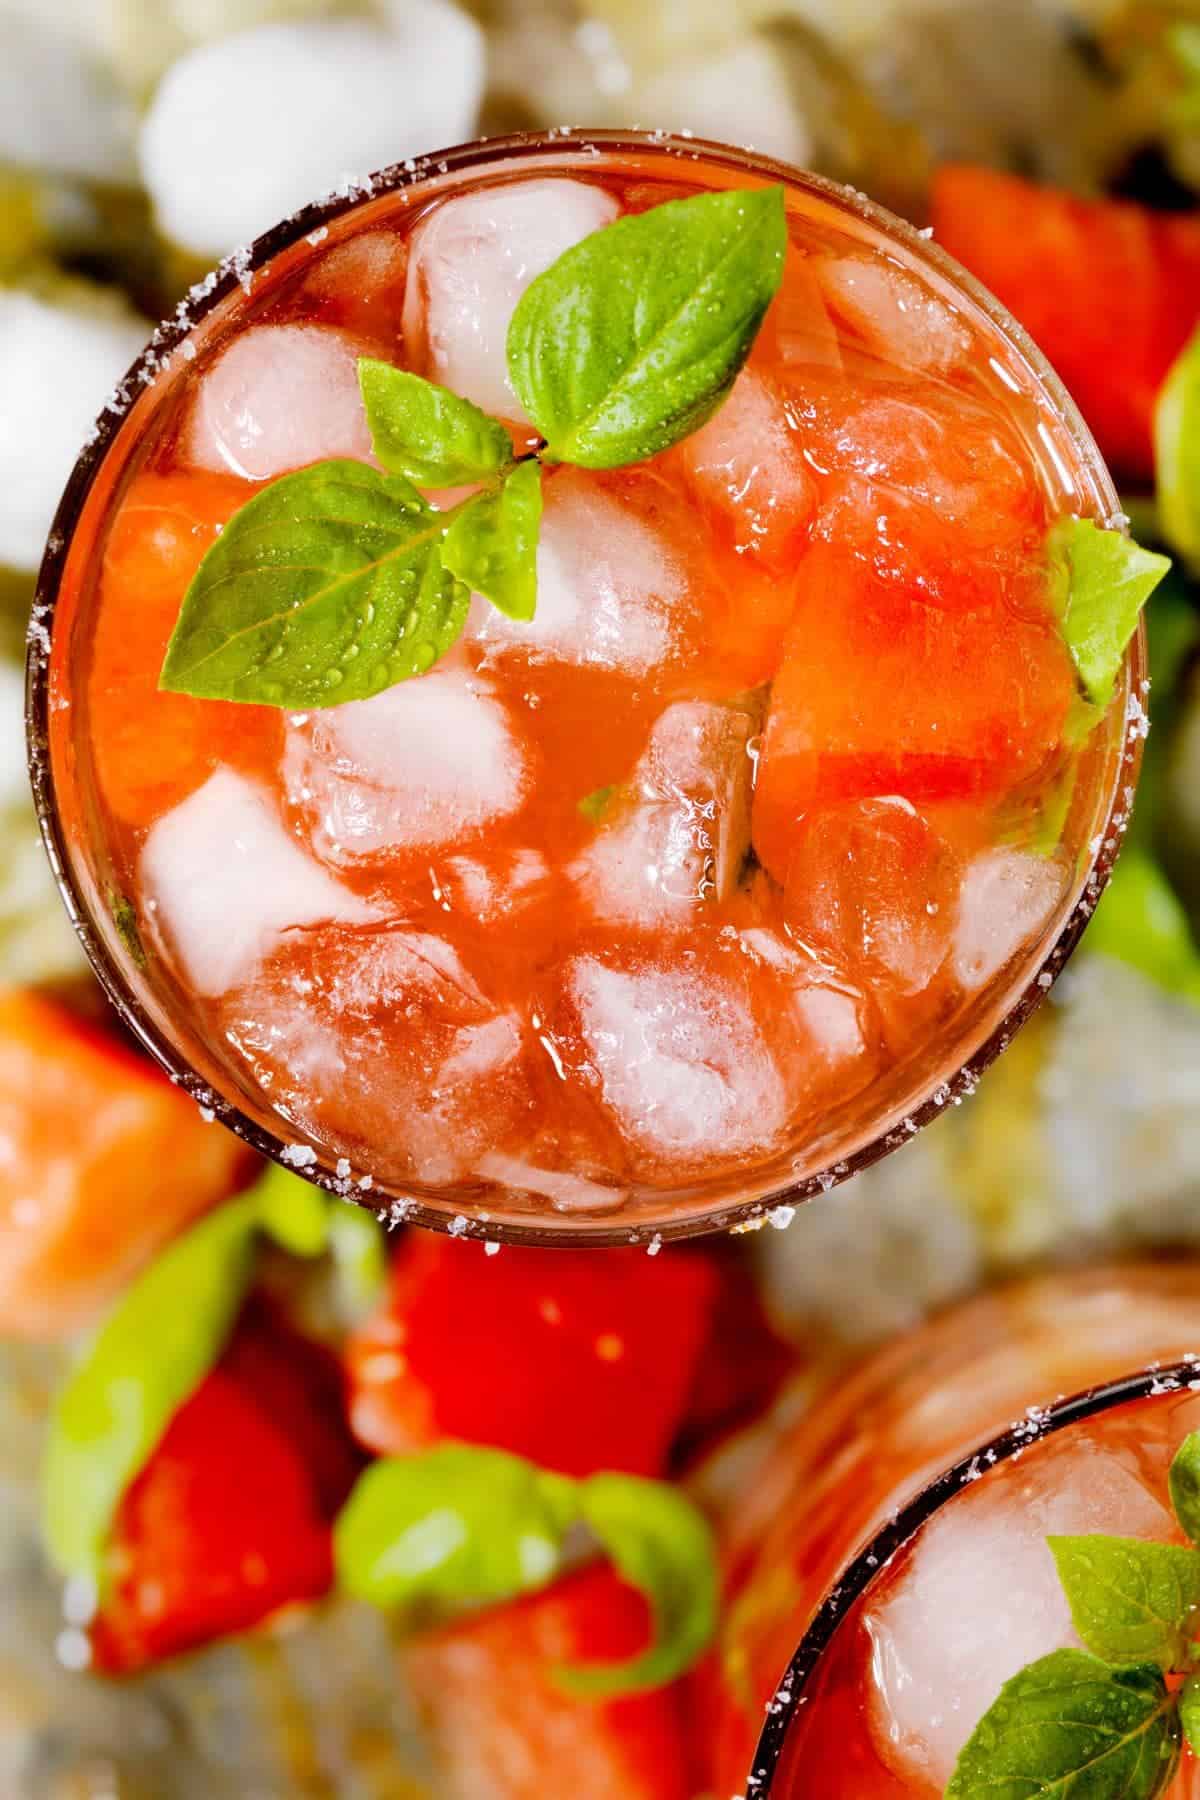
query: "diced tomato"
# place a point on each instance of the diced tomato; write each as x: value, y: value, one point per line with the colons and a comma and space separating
x: 505, y: 1730
x: 151, y: 748
x: 1109, y: 290
x: 883, y: 692
x: 230, y: 1519
x: 578, y: 1359
x: 101, y: 1161
x: 742, y: 1367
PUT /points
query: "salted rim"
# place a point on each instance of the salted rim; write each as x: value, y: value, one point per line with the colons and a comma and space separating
x: 870, y: 1563
x: 237, y: 270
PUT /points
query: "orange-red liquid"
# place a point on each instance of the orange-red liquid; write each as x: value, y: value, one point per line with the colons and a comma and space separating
x: 849, y: 590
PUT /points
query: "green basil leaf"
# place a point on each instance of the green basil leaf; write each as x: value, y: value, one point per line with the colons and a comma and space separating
x: 491, y: 542
x: 633, y: 338
x: 594, y: 806
x: 1189, y: 1711
x: 1140, y: 920
x: 425, y: 432
x: 151, y: 1353
x: 327, y: 586
x: 292, y: 1212
x: 456, y: 1528
x: 1177, y: 453
x: 1107, y: 579
x: 1070, y: 1728
x: 359, y: 1246
x: 1132, y: 1601
x: 661, y: 1544
x: 1184, y: 1484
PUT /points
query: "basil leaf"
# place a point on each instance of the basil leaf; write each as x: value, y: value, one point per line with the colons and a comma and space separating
x: 292, y: 1212
x: 1140, y: 920
x: 1177, y: 453
x: 633, y: 338
x: 1184, y: 1484
x: 1189, y: 1711
x: 662, y: 1545
x: 491, y: 542
x: 1070, y: 1728
x: 595, y: 805
x: 152, y: 1352
x: 357, y: 1243
x: 455, y: 1528
x: 1132, y: 1601
x: 327, y: 586
x: 1108, y: 579
x: 424, y: 431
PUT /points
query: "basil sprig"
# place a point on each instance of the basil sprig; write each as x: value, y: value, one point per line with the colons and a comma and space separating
x: 340, y: 580
x: 431, y: 1537
x: 1103, y: 1723
x: 1104, y: 579
x: 165, y: 1334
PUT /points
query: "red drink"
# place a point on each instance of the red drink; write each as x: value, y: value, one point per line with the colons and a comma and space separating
x: 912, y: 1551
x: 696, y: 890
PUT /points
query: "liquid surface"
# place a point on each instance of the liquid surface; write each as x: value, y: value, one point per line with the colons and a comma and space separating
x: 706, y: 875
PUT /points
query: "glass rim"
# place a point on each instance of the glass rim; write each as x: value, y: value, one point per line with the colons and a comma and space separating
x: 543, y: 1228
x: 1150, y: 1382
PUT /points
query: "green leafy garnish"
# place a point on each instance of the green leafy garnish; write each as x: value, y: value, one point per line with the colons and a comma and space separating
x: 1070, y: 1727
x: 1107, y: 580
x: 339, y: 581
x: 124, y: 918
x: 163, y: 1337
x: 1131, y: 1601
x: 595, y: 805
x: 633, y: 338
x: 1141, y: 921
x: 491, y: 544
x: 1104, y: 1725
x: 1183, y: 1484
x: 1177, y: 453
x: 662, y: 1546
x: 432, y: 1536
x: 327, y: 586
x: 153, y: 1351
x: 427, y: 433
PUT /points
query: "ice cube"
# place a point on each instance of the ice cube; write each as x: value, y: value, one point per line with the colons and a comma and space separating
x: 798, y: 320
x: 383, y: 1044
x: 748, y: 461
x: 980, y: 1595
x: 897, y: 314
x: 59, y: 361
x: 874, y: 885
x: 494, y: 889
x: 221, y: 165
x: 1007, y: 898
x: 817, y: 1024
x: 280, y: 397
x: 566, y: 1191
x: 610, y: 587
x: 678, y: 835
x: 470, y: 262
x: 223, y: 881
x: 679, y: 1058
x: 434, y: 760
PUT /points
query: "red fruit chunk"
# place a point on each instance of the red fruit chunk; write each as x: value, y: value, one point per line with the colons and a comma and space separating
x: 1109, y: 290
x: 579, y: 1361
x: 101, y: 1161
x: 504, y: 1728
x: 883, y: 692
x: 230, y: 1518
x: 151, y: 748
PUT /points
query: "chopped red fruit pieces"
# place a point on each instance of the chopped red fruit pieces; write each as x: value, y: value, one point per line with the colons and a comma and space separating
x: 579, y: 1360
x: 1109, y: 290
